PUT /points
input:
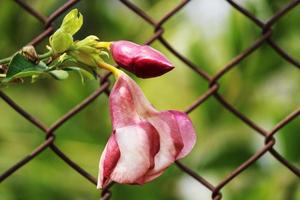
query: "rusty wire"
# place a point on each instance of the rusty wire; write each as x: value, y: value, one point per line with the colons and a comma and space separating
x: 212, y: 91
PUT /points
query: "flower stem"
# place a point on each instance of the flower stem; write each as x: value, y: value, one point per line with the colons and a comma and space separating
x: 45, y: 55
x: 116, y: 72
x: 105, y: 45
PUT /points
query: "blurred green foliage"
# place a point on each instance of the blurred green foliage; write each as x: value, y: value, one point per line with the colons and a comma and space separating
x: 264, y: 87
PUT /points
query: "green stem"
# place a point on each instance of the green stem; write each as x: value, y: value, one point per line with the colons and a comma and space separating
x: 45, y: 55
x: 5, y: 60
x: 41, y: 57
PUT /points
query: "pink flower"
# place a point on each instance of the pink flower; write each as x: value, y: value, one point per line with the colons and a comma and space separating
x: 142, y: 60
x: 144, y: 141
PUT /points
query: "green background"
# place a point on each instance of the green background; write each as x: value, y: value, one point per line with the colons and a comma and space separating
x: 264, y: 87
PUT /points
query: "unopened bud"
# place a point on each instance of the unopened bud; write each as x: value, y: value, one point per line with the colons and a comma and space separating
x: 142, y: 60
x: 61, y: 41
x: 30, y: 53
x: 85, y: 50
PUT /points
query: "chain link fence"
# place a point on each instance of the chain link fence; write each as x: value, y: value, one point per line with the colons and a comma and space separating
x: 212, y: 92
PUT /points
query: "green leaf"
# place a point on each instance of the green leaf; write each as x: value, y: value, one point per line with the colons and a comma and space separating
x: 72, y: 22
x: 84, y: 74
x: 20, y: 67
x: 59, y: 74
x: 72, y: 62
x: 61, y: 41
x: 58, y: 63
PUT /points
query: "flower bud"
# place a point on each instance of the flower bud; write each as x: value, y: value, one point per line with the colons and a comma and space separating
x: 85, y: 50
x: 60, y: 41
x: 142, y: 60
x: 30, y: 53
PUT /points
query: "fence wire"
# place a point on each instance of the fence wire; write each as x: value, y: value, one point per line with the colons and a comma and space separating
x: 212, y: 92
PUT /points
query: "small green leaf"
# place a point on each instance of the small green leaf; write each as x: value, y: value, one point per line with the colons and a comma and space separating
x: 59, y: 74
x: 75, y: 63
x: 84, y: 74
x: 72, y: 22
x: 58, y: 63
x: 61, y: 41
x: 20, y: 67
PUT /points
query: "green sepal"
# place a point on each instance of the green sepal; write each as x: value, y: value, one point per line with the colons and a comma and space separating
x: 72, y: 22
x: 61, y: 41
x: 90, y: 40
x: 83, y: 57
x: 84, y: 74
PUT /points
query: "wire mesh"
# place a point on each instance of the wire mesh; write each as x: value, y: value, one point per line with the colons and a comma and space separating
x: 212, y: 92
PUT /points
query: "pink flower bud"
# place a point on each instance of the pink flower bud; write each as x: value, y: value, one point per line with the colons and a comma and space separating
x: 142, y: 60
x: 144, y: 141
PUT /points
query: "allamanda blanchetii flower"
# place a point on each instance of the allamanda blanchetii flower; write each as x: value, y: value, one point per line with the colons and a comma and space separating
x: 144, y: 141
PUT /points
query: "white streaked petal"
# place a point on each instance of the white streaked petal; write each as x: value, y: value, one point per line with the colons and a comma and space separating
x: 135, y: 159
x: 167, y: 152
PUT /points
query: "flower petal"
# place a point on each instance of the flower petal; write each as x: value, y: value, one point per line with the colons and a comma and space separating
x: 122, y: 104
x: 187, y: 132
x: 138, y: 145
x: 108, y: 161
x: 171, y: 142
x: 149, y: 63
x: 128, y: 105
x: 142, y: 105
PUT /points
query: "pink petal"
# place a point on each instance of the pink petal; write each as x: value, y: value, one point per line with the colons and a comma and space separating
x: 108, y: 161
x: 171, y: 143
x: 149, y: 177
x: 122, y: 104
x: 128, y: 105
x: 187, y: 132
x: 142, y: 105
x: 138, y: 145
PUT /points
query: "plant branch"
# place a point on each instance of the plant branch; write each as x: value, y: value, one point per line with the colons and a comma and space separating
x: 5, y: 60
x: 41, y: 57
